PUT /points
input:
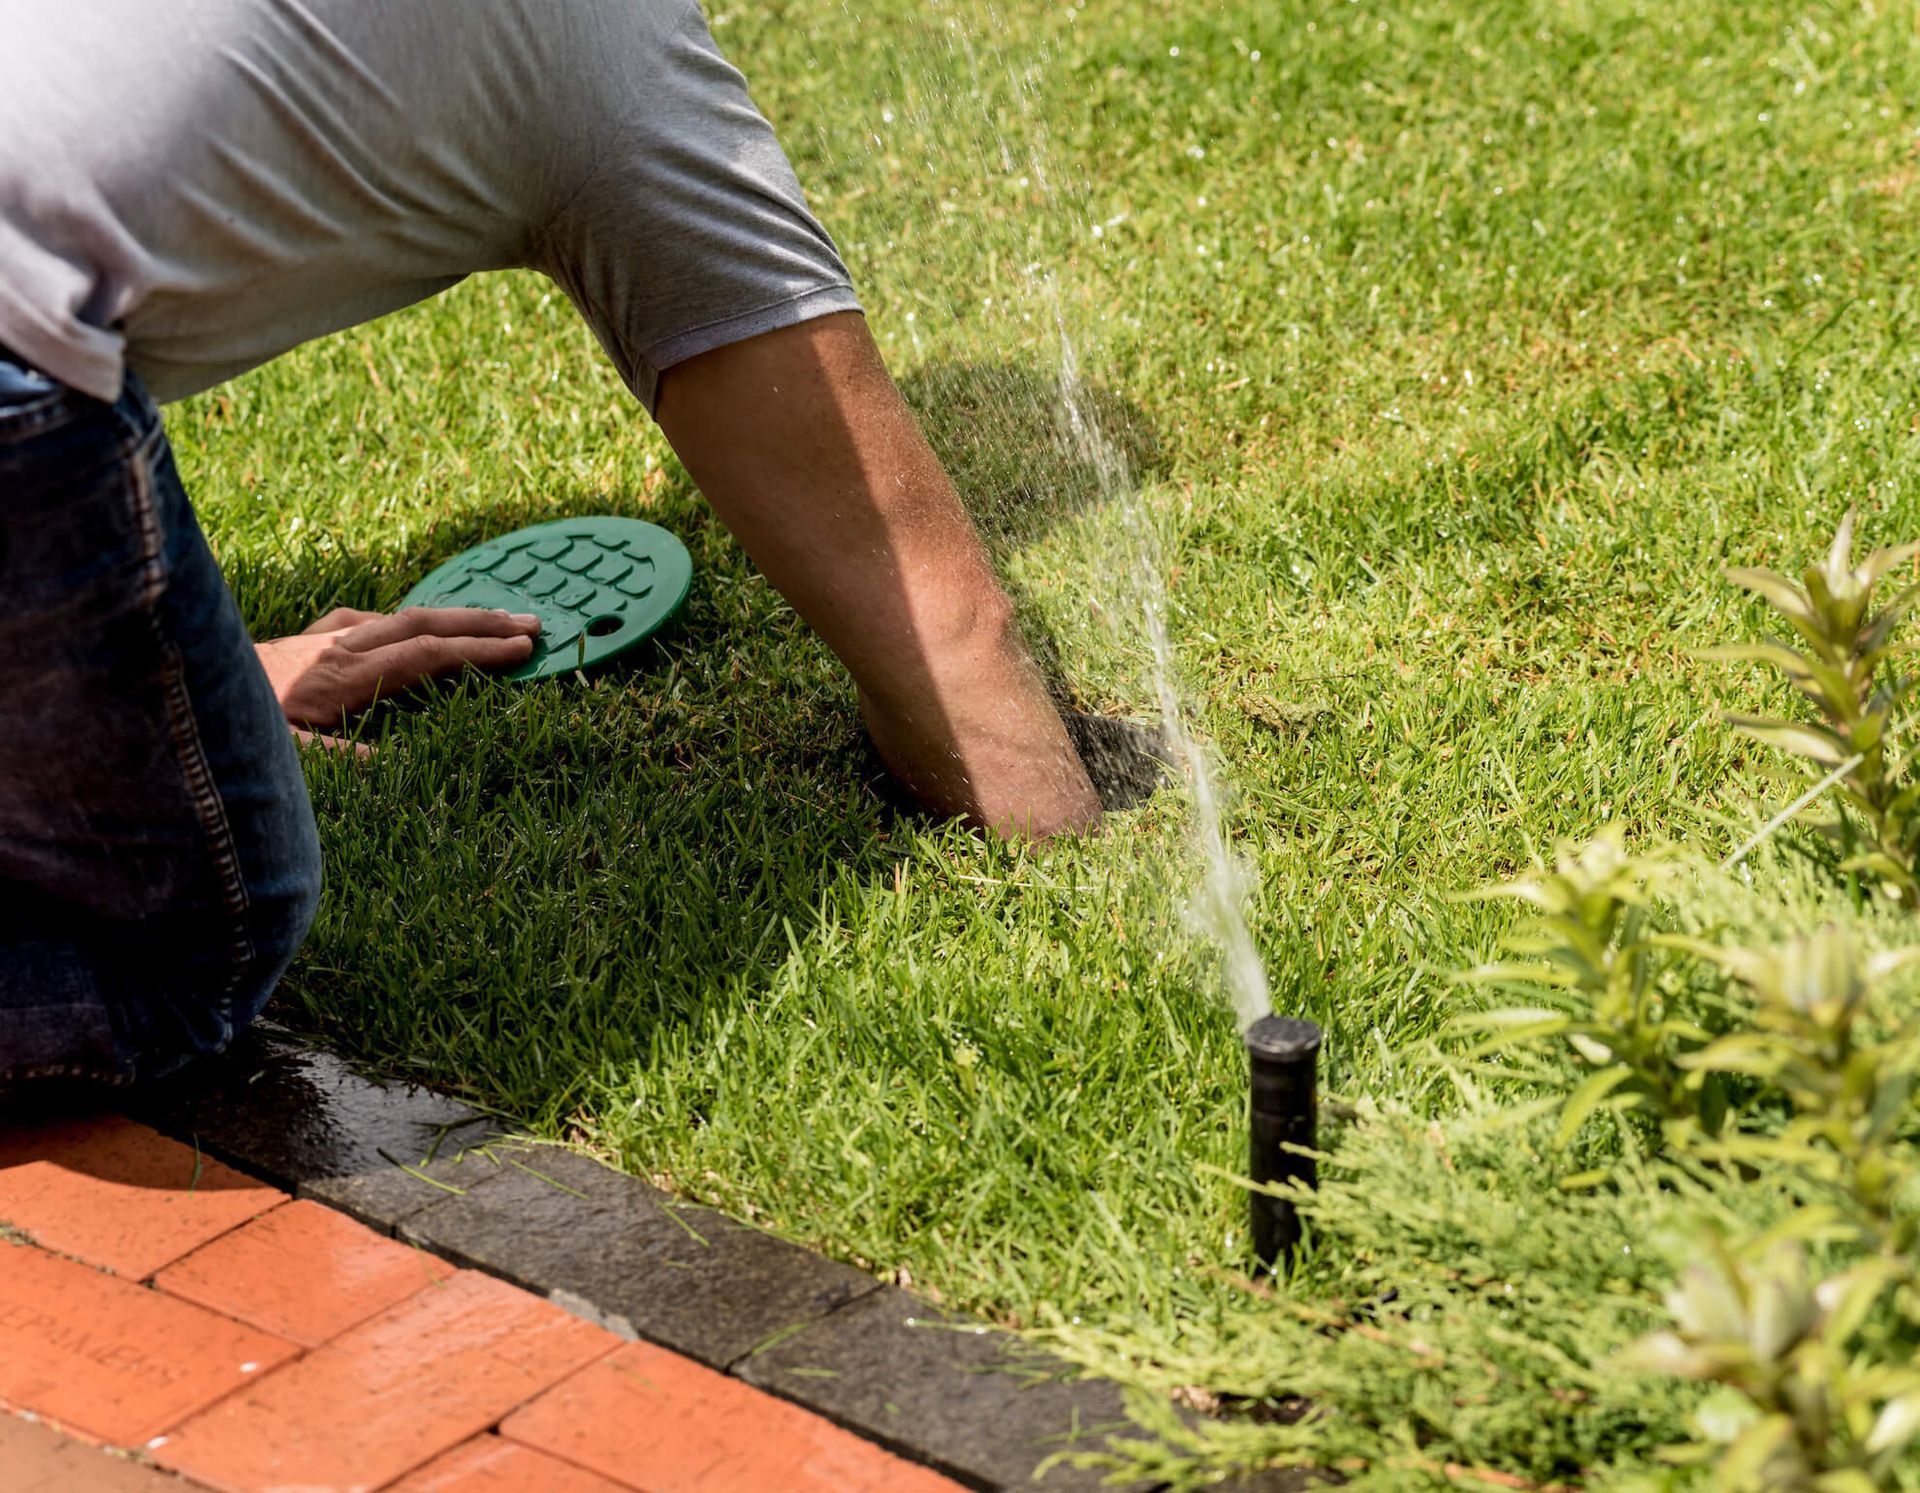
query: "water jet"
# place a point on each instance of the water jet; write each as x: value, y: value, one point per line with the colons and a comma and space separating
x: 1283, y: 1055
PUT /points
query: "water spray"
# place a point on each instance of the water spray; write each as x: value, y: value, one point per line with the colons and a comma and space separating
x: 1283, y: 1051
x: 1284, y: 1056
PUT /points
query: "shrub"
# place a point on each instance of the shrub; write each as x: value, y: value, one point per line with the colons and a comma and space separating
x: 1844, y: 670
x: 1809, y: 1328
x: 1817, y: 1385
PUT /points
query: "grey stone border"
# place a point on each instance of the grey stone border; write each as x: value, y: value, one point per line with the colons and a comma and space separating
x: 969, y: 1401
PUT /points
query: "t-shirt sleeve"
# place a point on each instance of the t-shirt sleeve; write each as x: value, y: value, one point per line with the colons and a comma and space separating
x: 690, y: 231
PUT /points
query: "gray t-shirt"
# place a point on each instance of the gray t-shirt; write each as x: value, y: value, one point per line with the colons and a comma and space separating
x: 191, y: 187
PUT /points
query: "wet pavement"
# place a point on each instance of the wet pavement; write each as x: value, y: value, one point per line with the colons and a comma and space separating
x: 276, y: 1273
x: 168, y: 1321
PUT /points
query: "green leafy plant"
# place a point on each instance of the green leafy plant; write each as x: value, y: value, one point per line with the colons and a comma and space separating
x: 1811, y: 1400
x: 1811, y: 1040
x: 1817, y: 1388
x: 1844, y: 669
x: 1592, y: 945
x: 1822, y: 1391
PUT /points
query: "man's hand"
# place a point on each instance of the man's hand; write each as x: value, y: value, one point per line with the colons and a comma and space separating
x: 348, y: 659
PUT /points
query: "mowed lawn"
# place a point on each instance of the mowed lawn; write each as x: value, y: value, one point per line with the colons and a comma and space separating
x: 1456, y: 348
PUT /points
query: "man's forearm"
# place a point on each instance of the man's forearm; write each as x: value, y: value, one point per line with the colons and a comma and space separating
x: 808, y: 453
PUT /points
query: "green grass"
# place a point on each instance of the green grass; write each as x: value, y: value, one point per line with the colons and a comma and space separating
x: 1457, y: 345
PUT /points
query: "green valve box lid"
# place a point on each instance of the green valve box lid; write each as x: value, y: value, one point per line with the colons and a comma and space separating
x: 598, y: 585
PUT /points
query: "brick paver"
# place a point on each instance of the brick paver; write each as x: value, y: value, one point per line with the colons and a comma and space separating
x: 664, y: 1423
x: 121, y: 1196
x: 247, y: 1343
x: 112, y: 1359
x: 302, y: 1272
x: 38, y: 1459
x: 487, y: 1464
x: 390, y: 1394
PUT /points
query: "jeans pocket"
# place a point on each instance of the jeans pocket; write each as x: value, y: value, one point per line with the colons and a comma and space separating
x: 29, y: 400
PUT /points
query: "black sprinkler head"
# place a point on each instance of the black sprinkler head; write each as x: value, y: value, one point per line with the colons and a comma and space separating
x: 1284, y: 1054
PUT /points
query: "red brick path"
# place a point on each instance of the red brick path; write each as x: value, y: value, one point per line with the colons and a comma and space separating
x: 155, y: 1301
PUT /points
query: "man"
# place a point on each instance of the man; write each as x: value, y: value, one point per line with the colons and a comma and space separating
x: 189, y: 189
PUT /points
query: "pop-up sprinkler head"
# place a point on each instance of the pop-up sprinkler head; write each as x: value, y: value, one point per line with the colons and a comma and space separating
x: 1284, y: 1053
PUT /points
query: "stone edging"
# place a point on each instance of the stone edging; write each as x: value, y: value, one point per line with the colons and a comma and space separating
x: 969, y: 1401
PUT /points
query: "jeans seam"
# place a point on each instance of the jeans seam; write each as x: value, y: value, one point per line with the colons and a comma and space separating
x: 189, y: 749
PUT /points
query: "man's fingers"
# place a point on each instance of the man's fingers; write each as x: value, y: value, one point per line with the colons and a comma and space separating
x: 349, y: 659
x: 322, y: 742
x: 403, y: 664
x: 339, y: 620
x: 438, y: 622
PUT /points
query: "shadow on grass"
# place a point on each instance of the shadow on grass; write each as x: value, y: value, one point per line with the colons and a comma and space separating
x: 308, y: 574
x: 530, y: 885
x: 1003, y: 433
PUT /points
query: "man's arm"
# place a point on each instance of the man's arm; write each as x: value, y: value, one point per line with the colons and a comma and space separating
x: 806, y: 450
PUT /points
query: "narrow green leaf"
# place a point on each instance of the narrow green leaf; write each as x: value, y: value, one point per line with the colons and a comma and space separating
x: 1745, y: 965
x: 1584, y: 1100
x: 1825, y: 684
x: 1496, y: 1021
x: 1752, y: 1450
x: 1840, y: 555
x: 1845, y: 1480
x: 1815, y: 742
x: 1657, y: 1353
x: 1879, y: 864
x: 1713, y: 1103
x: 1880, y: 562
x: 1848, y: 1298
x: 1786, y: 597
x: 1887, y: 618
x: 1896, y: 1425
x: 1753, y: 1053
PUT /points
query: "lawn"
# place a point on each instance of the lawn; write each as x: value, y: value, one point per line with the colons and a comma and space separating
x: 1456, y: 348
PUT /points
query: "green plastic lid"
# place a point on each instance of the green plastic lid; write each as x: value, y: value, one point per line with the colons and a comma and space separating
x: 598, y: 585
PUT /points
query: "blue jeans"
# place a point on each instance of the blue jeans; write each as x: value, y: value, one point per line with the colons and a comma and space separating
x: 158, y: 859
